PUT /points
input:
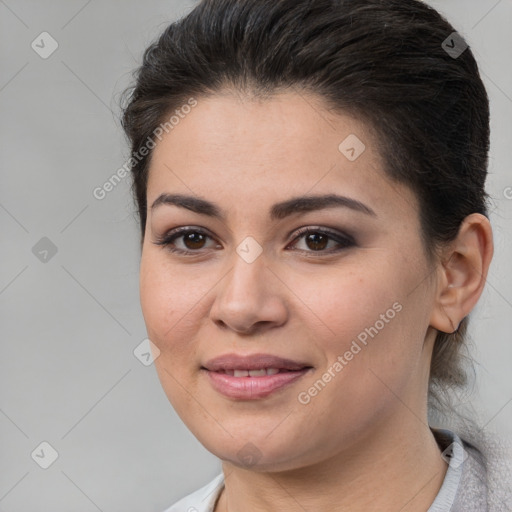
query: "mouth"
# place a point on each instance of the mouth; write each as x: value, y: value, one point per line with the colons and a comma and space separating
x: 252, y: 377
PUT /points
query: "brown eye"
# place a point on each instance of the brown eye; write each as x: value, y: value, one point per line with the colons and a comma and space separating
x: 185, y: 241
x: 322, y: 241
x: 316, y: 241
x: 194, y: 240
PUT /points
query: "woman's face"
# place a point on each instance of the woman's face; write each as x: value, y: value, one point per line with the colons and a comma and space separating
x: 350, y: 302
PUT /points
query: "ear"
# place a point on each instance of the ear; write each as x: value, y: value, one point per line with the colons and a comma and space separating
x: 462, y: 274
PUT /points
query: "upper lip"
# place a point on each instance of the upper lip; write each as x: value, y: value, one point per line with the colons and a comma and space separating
x: 252, y: 362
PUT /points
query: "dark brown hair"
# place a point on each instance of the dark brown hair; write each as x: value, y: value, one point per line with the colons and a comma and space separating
x: 384, y: 61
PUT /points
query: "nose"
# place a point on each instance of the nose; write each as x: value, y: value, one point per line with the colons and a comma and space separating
x: 250, y: 298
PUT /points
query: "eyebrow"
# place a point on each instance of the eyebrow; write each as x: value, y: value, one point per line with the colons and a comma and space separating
x: 300, y: 204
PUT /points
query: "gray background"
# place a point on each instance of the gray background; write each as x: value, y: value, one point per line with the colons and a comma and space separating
x: 70, y: 324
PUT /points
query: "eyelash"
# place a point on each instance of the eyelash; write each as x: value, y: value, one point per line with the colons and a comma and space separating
x: 345, y: 241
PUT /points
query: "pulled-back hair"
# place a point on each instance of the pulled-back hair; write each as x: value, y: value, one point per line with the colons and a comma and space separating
x: 386, y: 62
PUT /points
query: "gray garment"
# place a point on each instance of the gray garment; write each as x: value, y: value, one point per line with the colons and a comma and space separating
x: 477, y: 479
x: 464, y: 488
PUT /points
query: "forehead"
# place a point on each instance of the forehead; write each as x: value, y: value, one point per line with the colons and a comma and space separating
x: 249, y: 151
x: 288, y: 125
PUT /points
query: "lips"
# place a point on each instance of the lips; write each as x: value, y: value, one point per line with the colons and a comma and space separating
x: 252, y: 377
x: 229, y: 363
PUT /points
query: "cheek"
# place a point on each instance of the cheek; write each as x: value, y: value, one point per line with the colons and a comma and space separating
x: 173, y: 303
x: 167, y: 301
x: 346, y: 301
x: 164, y: 295
x: 370, y: 358
x: 371, y: 325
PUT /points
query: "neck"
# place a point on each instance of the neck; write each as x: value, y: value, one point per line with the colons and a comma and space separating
x: 398, y: 467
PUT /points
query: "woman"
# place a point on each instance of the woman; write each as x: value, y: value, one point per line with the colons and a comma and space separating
x: 309, y: 176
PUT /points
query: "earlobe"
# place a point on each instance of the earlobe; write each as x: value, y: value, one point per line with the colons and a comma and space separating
x: 462, y: 273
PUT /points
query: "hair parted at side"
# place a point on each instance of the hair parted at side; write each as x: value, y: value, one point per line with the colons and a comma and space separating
x: 381, y: 61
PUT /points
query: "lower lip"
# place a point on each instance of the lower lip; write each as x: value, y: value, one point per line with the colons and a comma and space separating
x: 252, y: 388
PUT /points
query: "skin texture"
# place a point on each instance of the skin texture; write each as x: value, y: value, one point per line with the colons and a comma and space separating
x: 356, y: 444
